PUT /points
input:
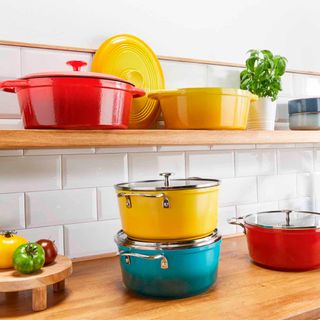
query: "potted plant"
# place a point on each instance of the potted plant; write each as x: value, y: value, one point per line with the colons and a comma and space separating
x: 262, y: 77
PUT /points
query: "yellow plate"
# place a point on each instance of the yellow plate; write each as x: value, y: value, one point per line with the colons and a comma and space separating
x: 129, y: 58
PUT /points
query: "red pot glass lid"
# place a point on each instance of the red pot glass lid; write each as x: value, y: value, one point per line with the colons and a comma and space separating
x: 284, y: 219
x: 76, y: 65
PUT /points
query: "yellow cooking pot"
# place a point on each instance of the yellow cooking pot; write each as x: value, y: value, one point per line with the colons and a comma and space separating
x: 168, y: 210
x: 204, y: 108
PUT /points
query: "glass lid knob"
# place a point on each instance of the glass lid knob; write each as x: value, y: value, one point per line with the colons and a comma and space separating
x: 166, y: 176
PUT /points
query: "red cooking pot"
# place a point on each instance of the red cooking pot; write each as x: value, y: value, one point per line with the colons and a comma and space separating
x: 283, y: 240
x: 74, y: 99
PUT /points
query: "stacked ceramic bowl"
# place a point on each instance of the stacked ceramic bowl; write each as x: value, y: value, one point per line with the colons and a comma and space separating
x: 169, y: 246
x: 304, y: 114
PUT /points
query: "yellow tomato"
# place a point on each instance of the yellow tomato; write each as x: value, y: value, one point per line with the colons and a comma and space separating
x: 9, y: 242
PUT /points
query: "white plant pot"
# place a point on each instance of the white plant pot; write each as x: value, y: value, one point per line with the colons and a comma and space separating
x: 262, y: 114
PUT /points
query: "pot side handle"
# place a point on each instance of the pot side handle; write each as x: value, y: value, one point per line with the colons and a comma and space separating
x: 238, y: 222
x: 137, y: 92
x: 13, y: 85
x: 164, y: 262
x: 128, y: 195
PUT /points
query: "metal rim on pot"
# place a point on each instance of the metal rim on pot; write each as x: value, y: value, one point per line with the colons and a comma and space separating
x: 166, y: 184
x: 123, y: 240
x: 288, y: 220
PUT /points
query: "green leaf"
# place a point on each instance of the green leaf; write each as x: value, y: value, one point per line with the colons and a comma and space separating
x: 267, y: 53
x: 250, y: 63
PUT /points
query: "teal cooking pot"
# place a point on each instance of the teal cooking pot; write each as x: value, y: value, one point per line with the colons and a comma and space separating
x: 171, y: 269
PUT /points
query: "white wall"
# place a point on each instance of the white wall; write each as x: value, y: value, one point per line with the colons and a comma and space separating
x: 208, y: 29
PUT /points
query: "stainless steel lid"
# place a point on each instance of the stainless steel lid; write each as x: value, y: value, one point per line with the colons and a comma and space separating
x: 284, y: 219
x: 122, y: 239
x: 168, y: 184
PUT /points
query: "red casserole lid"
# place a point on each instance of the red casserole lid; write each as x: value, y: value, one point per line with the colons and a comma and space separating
x: 76, y: 65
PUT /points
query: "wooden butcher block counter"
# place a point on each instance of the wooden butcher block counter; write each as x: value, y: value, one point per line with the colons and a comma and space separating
x: 243, y: 291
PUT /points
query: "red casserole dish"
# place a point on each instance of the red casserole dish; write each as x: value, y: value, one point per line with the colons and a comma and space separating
x: 283, y: 240
x: 73, y: 100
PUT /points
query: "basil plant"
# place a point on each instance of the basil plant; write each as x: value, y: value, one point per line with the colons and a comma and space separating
x: 262, y: 75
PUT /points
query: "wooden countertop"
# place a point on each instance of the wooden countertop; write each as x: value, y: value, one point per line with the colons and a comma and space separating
x: 243, y: 291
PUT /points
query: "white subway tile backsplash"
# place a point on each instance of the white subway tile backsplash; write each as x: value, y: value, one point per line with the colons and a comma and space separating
x: 278, y: 146
x: 107, y: 204
x: 295, y: 160
x: 87, y: 239
x: 10, y: 66
x: 304, y: 184
x: 317, y: 159
x: 225, y: 77
x: 282, y: 111
x: 96, y: 170
x: 184, y: 75
x: 268, y: 206
x: 226, y: 213
x: 245, y: 209
x: 304, y: 145
x: 213, y: 164
x: 30, y: 152
x: 255, y: 162
x: 316, y: 184
x: 42, y: 60
x: 32, y: 173
x: 287, y: 85
x: 182, y: 148
x: 126, y: 149
x: 11, y: 124
x: 60, y: 207
x: 232, y: 146
x: 16, y: 152
x: 277, y: 187
x: 144, y: 166
x: 9, y: 105
x: 306, y: 85
x: 303, y: 204
x: 12, y: 211
x: 238, y: 191
x: 54, y: 233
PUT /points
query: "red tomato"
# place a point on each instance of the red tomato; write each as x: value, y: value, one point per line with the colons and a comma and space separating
x: 50, y: 250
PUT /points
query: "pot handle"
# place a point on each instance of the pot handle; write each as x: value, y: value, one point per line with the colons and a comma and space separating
x: 12, y: 85
x: 164, y: 261
x: 137, y: 92
x: 76, y: 64
x: 128, y: 195
x: 238, y: 222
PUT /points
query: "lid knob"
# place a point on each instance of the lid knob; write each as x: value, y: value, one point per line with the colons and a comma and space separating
x: 166, y: 176
x: 76, y: 64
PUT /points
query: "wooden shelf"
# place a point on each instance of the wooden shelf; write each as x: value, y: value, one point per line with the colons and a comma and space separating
x: 20, y: 139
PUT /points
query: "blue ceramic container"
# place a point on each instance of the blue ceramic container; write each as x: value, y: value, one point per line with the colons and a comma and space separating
x: 304, y: 105
x: 169, y: 270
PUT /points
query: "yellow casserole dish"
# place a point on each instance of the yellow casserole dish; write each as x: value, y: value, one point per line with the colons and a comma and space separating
x: 163, y: 210
x: 204, y: 108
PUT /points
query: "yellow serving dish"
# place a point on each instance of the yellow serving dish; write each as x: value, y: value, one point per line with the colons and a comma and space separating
x: 204, y: 108
x: 182, y: 209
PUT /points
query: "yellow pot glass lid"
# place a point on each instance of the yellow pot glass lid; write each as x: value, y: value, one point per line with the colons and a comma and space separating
x: 131, y: 59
